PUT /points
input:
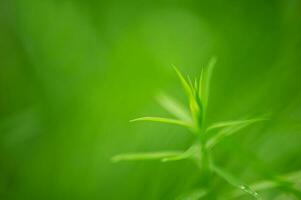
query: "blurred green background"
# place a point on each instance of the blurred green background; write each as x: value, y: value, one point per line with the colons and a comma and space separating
x: 74, y: 72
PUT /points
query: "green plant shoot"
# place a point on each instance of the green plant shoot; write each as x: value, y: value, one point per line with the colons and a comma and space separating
x: 194, y: 119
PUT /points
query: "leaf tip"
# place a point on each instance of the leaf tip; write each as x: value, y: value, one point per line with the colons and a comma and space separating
x: 213, y: 60
x: 134, y: 120
x: 115, y: 159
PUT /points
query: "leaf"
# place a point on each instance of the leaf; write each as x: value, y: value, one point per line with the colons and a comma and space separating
x: 229, y: 130
x: 201, y: 83
x: 193, y: 195
x: 164, y: 156
x: 185, y: 83
x: 195, y: 106
x: 205, y: 81
x: 146, y: 156
x: 196, y: 86
x: 293, y: 178
x: 190, y: 83
x: 163, y: 120
x: 191, y: 153
x: 195, y: 109
x: 181, y: 156
x: 234, y: 181
x: 199, y: 113
x: 232, y: 123
x: 173, y: 107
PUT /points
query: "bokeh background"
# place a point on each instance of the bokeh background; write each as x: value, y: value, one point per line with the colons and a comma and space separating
x: 74, y: 72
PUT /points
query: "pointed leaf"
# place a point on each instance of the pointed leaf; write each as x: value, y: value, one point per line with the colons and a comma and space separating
x: 294, y: 178
x: 205, y: 81
x: 201, y: 82
x: 196, y: 86
x: 146, y: 156
x: 192, y: 93
x: 182, y: 156
x: 234, y: 181
x: 185, y: 83
x: 229, y: 130
x: 232, y: 123
x: 193, y: 195
x: 195, y: 110
x: 173, y: 107
x: 190, y: 153
x: 190, y: 83
x: 163, y: 120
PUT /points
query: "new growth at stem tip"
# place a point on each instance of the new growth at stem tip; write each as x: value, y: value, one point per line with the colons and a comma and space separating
x: 194, y: 119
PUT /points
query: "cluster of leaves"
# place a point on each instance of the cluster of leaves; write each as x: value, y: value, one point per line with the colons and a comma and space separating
x: 207, y: 136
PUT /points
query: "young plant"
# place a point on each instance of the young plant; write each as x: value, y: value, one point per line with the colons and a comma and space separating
x: 206, y: 136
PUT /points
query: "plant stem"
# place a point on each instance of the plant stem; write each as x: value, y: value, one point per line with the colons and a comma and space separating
x: 204, y: 161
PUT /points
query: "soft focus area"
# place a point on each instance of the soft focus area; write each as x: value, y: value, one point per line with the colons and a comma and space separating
x: 74, y: 72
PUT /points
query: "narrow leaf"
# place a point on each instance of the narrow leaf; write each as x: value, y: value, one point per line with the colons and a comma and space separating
x: 196, y: 86
x: 201, y: 82
x: 181, y: 156
x: 188, y: 154
x: 234, y: 181
x: 233, y: 123
x: 294, y: 178
x: 205, y: 81
x: 229, y: 130
x: 193, y: 195
x: 185, y: 83
x: 192, y: 93
x: 146, y: 156
x: 173, y: 107
x: 195, y: 110
x: 190, y: 83
x: 163, y: 120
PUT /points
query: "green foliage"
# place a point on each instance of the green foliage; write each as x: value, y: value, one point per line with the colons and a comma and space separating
x: 193, y: 195
x: 163, y: 120
x: 72, y: 73
x: 207, y: 136
x: 163, y: 156
x: 234, y: 181
x: 174, y: 107
x: 228, y: 128
x: 288, y: 180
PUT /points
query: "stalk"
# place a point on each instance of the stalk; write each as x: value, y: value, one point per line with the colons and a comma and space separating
x: 204, y: 159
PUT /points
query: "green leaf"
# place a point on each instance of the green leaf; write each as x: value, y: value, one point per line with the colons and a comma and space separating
x: 164, y: 156
x: 146, y: 156
x: 201, y: 83
x: 228, y: 130
x: 185, y: 83
x: 195, y: 104
x: 191, y: 153
x: 232, y: 123
x: 205, y: 81
x: 173, y: 107
x: 193, y: 195
x: 294, y: 178
x: 196, y: 86
x: 190, y: 83
x: 234, y: 181
x: 195, y: 109
x: 163, y: 120
x: 181, y: 156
